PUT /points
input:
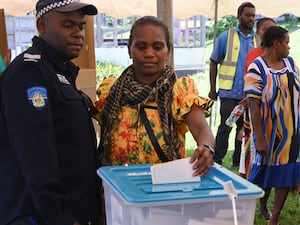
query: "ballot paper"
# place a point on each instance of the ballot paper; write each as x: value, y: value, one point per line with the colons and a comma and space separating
x: 176, y: 171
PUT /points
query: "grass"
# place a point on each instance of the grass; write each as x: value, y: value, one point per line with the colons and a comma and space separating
x: 290, y: 212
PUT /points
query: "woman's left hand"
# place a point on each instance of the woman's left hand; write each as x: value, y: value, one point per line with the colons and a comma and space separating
x: 202, y: 160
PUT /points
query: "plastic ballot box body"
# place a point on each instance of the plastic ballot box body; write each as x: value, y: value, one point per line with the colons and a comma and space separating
x: 132, y: 199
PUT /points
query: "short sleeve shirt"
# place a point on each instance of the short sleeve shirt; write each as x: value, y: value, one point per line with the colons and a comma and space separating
x: 219, y: 53
x: 130, y: 142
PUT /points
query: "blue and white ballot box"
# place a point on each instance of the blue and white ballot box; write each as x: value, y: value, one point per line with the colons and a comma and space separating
x: 132, y: 199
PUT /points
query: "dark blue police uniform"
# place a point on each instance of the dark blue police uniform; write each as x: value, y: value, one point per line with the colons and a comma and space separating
x: 47, y: 142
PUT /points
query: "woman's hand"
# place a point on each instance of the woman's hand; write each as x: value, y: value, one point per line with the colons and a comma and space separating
x: 261, y: 146
x: 202, y: 134
x: 244, y: 102
x: 202, y: 159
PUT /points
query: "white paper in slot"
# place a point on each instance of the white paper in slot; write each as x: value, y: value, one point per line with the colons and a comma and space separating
x: 176, y: 171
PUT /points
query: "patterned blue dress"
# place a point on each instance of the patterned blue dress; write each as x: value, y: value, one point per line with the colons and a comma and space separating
x: 278, y: 91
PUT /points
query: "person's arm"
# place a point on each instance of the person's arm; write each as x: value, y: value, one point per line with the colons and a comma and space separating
x: 253, y: 89
x: 256, y: 119
x: 203, y: 136
x: 216, y: 58
x: 213, y: 70
x: 244, y: 102
x: 7, y: 57
x: 4, y: 61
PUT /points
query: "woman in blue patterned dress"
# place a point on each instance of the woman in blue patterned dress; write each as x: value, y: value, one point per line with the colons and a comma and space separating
x: 272, y: 87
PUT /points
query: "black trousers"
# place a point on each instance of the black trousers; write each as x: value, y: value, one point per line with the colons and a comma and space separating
x: 223, y: 133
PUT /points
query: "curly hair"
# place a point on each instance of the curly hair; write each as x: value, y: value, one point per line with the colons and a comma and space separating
x: 275, y: 33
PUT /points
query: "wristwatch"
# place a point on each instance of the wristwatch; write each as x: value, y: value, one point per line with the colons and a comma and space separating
x: 212, y: 151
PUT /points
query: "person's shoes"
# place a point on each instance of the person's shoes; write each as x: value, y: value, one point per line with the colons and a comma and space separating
x: 243, y: 175
x: 265, y: 214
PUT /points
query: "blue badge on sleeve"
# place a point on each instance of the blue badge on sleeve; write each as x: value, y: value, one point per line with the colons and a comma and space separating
x: 37, y: 97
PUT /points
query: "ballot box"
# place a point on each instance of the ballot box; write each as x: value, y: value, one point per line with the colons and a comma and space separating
x: 132, y: 199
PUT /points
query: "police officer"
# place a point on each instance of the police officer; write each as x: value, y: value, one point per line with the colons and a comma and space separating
x: 47, y: 141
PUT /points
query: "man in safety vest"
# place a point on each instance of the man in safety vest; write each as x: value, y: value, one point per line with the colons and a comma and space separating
x: 230, y: 52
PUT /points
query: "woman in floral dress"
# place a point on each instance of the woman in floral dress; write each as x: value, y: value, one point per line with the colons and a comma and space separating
x: 149, y: 88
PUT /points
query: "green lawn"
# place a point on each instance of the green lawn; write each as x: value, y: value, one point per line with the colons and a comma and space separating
x: 291, y: 210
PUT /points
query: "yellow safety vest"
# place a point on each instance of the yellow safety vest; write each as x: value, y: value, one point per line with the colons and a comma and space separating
x: 228, y: 67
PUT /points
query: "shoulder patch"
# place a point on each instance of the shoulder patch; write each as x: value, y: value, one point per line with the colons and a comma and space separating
x: 31, y: 58
x: 37, y: 97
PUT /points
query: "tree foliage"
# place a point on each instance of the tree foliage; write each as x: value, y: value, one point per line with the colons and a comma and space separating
x: 223, y: 24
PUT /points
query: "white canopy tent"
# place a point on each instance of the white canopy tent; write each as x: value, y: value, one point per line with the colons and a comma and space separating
x: 182, y: 9
x: 166, y: 9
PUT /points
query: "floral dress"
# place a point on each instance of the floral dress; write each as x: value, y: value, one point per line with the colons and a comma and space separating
x: 278, y: 91
x: 130, y: 143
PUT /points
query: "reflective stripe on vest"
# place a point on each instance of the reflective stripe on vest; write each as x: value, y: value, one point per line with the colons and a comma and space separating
x: 228, y: 66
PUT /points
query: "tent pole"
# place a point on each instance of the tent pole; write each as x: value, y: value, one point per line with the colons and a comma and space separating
x: 165, y: 13
x: 214, y: 41
x: 3, y: 35
x: 215, y: 22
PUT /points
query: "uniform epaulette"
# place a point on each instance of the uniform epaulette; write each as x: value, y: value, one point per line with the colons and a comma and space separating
x: 31, y: 57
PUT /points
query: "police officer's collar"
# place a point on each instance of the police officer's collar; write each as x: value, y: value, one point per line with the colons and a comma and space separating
x: 48, y: 51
